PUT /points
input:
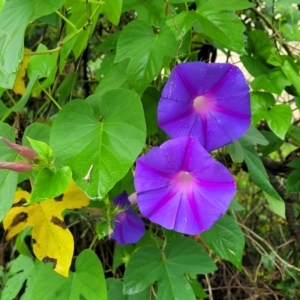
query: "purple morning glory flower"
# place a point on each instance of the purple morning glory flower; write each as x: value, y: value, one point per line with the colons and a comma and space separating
x: 129, y: 228
x: 208, y: 101
x: 181, y: 187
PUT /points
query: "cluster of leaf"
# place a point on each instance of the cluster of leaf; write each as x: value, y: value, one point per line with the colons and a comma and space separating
x: 116, y: 54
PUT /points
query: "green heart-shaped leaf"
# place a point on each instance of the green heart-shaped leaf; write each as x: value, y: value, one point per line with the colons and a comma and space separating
x: 49, y: 184
x: 226, y: 239
x: 100, y: 150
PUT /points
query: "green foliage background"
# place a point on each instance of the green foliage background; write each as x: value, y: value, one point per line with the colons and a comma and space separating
x: 116, y: 56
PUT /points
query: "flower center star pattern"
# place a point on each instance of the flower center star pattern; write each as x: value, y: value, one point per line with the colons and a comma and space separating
x: 179, y: 185
x: 208, y: 101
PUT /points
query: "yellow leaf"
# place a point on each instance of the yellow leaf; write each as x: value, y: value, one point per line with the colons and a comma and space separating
x: 52, y: 240
x: 19, y: 86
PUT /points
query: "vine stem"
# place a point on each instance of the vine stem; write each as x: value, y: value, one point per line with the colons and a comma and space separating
x: 209, y: 287
x: 70, y: 37
x: 271, y: 26
x: 93, y: 242
x: 43, y: 52
x: 50, y: 97
x: 10, y: 97
x: 284, y: 262
x: 67, y: 39
x: 67, y: 20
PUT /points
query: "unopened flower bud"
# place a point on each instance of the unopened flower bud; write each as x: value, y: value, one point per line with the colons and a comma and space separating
x: 16, y: 166
x: 21, y: 150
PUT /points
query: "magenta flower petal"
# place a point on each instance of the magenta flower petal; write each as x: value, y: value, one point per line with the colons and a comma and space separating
x: 129, y: 228
x: 208, y: 101
x: 181, y: 187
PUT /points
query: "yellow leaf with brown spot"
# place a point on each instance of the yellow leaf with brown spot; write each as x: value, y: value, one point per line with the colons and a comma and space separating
x: 52, y: 240
x: 19, y: 86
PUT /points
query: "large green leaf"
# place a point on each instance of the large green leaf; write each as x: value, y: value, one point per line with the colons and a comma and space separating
x: 259, y: 176
x: 65, y: 88
x: 146, y: 51
x: 290, y: 31
x: 288, y: 25
x: 121, y: 254
x: 66, y: 50
x: 49, y: 184
x: 260, y: 105
x: 113, y: 79
x: 223, y: 28
x: 21, y: 269
x: 254, y: 66
x: 250, y: 138
x: 109, y: 43
x: 278, y: 117
x: 150, y: 239
x: 148, y: 264
x: 293, y: 182
x: 78, y: 16
x: 112, y: 10
x: 12, y: 33
x: 151, y: 11
x: 182, y: 23
x: 41, y: 148
x: 236, y: 152
x: 254, y: 136
x: 150, y: 101
x: 235, y: 205
x: 259, y: 44
x: 274, y: 143
x: 226, y: 239
x: 8, y: 179
x: 274, y: 82
x: 295, y: 163
x: 115, y: 291
x: 44, y: 65
x: 107, y: 145
x: 2, y: 2
x: 218, y: 5
x: 3, y: 109
x: 38, y: 287
x: 88, y: 279
x: 243, y: 149
x: 37, y: 131
x: 292, y: 75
